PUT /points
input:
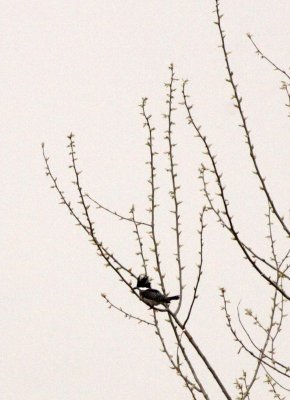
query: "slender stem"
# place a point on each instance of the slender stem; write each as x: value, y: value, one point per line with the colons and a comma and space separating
x: 286, y: 88
x: 225, y: 202
x: 263, y: 56
x: 263, y: 350
x: 244, y: 124
x: 152, y: 199
x: 125, y: 313
x: 276, y: 382
x: 173, y: 174
x: 195, y: 296
x: 122, y: 218
x: 190, y: 385
x: 243, y: 346
x: 109, y: 258
x: 139, y: 240
x: 179, y: 344
x: 224, y: 224
x: 201, y: 355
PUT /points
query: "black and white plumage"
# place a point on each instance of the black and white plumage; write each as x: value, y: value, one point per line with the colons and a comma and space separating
x: 152, y: 297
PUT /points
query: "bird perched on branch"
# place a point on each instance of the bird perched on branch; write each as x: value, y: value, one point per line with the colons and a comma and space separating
x: 152, y: 297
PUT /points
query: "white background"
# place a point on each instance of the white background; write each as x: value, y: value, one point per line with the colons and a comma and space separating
x: 82, y: 67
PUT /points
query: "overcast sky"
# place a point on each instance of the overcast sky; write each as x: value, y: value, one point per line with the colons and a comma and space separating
x: 82, y: 67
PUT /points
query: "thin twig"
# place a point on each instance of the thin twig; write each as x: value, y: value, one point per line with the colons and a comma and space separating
x: 285, y: 87
x: 286, y: 368
x: 218, y: 213
x: 115, y: 213
x: 243, y: 346
x: 244, y: 124
x: 263, y: 350
x: 182, y: 348
x: 109, y: 258
x: 139, y: 240
x: 201, y: 354
x: 278, y: 383
x: 86, y: 207
x: 173, y: 174
x: 125, y: 313
x: 221, y: 187
x: 262, y: 55
x: 199, y: 266
x: 190, y: 385
x: 152, y: 198
x: 269, y: 380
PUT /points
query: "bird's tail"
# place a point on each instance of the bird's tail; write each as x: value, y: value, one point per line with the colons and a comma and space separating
x: 173, y: 298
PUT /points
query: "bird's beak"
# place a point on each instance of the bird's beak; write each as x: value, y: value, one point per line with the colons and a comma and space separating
x: 136, y: 287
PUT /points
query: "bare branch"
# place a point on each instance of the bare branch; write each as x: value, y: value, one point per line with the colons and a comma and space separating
x: 201, y: 355
x: 188, y: 384
x: 90, y: 228
x: 286, y: 87
x: 182, y: 348
x: 221, y: 187
x: 173, y: 174
x: 224, y: 224
x: 270, y: 381
x: 199, y: 266
x: 243, y: 346
x: 139, y: 239
x: 262, y: 55
x: 121, y: 217
x: 244, y: 124
x: 152, y: 199
x: 125, y: 313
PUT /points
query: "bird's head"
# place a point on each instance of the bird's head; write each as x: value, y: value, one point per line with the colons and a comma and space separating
x: 143, y: 281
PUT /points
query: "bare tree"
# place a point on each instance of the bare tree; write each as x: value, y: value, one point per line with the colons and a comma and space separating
x: 272, y: 270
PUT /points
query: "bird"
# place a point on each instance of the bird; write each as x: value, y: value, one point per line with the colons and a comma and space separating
x: 151, y: 297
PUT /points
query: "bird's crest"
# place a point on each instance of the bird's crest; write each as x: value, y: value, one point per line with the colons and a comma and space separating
x: 143, y: 281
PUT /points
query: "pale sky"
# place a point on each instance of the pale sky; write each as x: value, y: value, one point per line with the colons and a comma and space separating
x: 82, y: 67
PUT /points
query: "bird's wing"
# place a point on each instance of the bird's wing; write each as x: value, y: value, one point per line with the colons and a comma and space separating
x: 153, y: 294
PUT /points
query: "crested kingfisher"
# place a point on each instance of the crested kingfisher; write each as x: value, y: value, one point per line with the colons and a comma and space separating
x: 152, y: 297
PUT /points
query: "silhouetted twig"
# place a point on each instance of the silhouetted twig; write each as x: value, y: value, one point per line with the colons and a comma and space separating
x: 244, y: 124
x: 263, y: 56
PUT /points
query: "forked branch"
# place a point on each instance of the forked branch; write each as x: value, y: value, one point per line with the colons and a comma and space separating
x: 244, y: 124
